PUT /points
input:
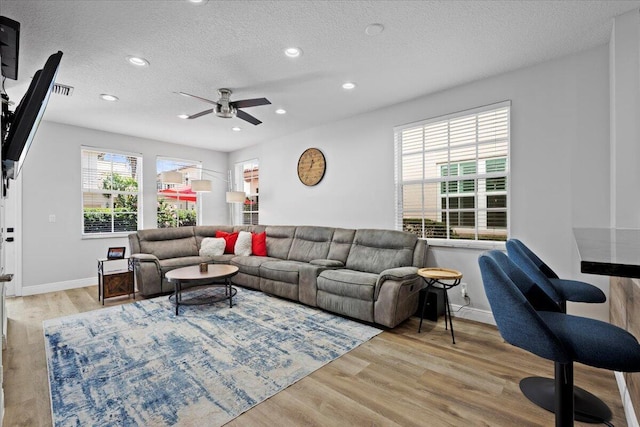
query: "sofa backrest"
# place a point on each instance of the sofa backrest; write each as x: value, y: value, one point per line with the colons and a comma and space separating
x: 168, y: 242
x: 250, y: 228
x: 341, y: 244
x: 376, y: 250
x: 202, y: 231
x: 420, y: 253
x: 279, y: 239
x: 310, y: 243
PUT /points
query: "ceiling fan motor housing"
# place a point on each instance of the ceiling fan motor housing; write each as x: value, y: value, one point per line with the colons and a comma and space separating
x: 223, y: 109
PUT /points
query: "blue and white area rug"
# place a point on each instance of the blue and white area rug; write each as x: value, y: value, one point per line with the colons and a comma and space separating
x: 140, y: 365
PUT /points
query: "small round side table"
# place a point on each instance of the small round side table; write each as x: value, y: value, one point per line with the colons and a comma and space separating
x: 435, y: 277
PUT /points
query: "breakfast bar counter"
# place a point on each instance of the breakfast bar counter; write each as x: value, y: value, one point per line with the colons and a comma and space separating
x: 615, y: 252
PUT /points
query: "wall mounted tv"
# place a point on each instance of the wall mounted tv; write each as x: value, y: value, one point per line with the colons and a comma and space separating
x: 19, y: 127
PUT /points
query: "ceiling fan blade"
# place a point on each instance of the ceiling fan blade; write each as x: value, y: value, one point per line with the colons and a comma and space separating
x: 244, y: 103
x: 247, y: 117
x: 200, y: 114
x: 197, y: 97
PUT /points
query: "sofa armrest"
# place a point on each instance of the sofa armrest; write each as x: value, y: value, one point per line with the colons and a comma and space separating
x: 398, y: 274
x: 146, y: 258
x: 329, y: 263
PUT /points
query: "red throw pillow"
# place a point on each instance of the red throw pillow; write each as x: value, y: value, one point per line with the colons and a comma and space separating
x: 230, y: 240
x: 259, y: 243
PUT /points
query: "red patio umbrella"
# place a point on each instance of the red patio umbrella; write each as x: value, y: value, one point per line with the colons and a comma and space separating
x: 186, y: 194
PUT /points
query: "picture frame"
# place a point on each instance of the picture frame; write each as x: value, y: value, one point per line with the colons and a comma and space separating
x: 116, y: 252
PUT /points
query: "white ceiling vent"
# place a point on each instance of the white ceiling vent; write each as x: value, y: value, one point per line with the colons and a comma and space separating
x: 62, y: 89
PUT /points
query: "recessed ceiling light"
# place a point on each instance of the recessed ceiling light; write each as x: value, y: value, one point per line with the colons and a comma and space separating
x: 137, y: 61
x: 293, y: 52
x: 198, y: 1
x: 281, y: 111
x: 236, y: 129
x: 107, y: 97
x: 348, y: 85
x: 183, y: 116
x: 374, y: 29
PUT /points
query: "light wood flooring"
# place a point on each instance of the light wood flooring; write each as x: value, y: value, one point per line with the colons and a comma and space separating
x: 399, y: 378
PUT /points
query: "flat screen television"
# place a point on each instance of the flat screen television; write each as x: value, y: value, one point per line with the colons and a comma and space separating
x: 22, y: 125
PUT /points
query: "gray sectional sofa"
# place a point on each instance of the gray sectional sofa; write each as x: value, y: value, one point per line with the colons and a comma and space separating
x: 366, y: 274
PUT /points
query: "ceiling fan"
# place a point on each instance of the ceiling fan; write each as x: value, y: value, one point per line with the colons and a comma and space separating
x: 226, y: 108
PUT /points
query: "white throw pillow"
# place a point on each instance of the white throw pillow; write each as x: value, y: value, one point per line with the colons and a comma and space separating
x: 243, y: 244
x: 212, y: 246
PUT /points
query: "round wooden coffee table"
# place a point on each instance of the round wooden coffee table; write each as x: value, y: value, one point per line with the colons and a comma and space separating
x: 216, y: 275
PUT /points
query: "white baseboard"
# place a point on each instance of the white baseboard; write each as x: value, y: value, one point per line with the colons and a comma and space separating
x: 59, y: 286
x: 629, y: 412
x: 464, y: 312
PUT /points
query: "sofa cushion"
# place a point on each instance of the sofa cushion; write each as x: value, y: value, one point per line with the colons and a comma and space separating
x: 202, y: 231
x: 279, y: 238
x: 376, y: 250
x: 243, y: 244
x: 341, y: 244
x: 250, y: 264
x: 211, y: 246
x: 168, y: 242
x: 310, y: 243
x: 221, y: 259
x: 259, y: 244
x: 173, y: 263
x: 282, y: 271
x: 348, y: 283
x: 230, y: 238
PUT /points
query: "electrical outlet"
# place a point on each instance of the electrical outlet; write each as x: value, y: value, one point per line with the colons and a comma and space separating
x: 463, y: 290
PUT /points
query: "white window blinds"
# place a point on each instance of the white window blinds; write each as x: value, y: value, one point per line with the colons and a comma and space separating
x: 452, y: 175
x: 111, y: 190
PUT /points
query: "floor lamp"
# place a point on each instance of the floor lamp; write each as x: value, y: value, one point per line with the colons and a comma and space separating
x: 232, y: 197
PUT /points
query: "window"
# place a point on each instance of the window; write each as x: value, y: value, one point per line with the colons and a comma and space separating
x: 111, y: 188
x: 451, y: 175
x: 177, y: 203
x: 247, y: 180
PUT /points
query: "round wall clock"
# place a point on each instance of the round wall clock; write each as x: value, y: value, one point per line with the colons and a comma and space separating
x: 311, y: 166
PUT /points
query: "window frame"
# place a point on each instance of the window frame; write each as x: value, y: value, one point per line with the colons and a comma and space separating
x: 185, y: 163
x: 138, y: 194
x: 458, y: 178
x: 240, y: 185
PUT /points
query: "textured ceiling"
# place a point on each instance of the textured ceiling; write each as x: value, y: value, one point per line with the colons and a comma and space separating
x: 427, y: 46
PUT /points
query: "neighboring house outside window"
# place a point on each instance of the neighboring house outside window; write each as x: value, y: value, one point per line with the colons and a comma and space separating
x: 111, y: 192
x: 247, y: 180
x: 452, y: 174
x: 178, y: 205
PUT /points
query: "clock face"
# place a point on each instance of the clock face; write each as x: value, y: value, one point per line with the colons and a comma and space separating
x: 311, y: 166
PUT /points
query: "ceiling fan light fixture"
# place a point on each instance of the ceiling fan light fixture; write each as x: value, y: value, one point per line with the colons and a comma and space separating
x: 107, y: 97
x: 197, y: 1
x: 281, y: 111
x: 137, y: 61
x: 183, y: 116
x: 348, y: 85
x: 236, y: 129
x: 293, y: 52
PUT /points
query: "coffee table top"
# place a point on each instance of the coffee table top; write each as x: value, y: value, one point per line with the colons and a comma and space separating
x: 215, y: 271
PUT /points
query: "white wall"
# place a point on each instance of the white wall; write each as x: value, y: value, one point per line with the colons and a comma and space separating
x: 559, y: 165
x: 625, y: 127
x: 54, y: 255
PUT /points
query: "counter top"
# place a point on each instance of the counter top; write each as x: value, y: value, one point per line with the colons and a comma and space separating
x: 609, y: 251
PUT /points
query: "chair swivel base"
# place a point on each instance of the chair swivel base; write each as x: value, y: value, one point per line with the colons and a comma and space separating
x: 588, y: 408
